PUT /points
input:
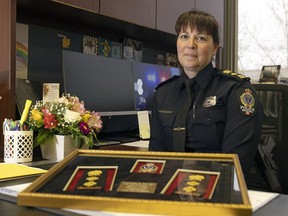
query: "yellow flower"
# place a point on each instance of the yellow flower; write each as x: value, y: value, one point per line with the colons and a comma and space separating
x: 37, y: 116
x: 86, y: 117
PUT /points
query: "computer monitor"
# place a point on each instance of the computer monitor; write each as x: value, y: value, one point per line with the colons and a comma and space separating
x: 146, y: 78
x: 104, y: 84
x: 27, y: 90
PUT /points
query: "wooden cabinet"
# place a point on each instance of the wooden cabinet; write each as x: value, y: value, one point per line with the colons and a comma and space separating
x: 117, y: 18
x: 141, y: 12
x: 90, y: 5
x: 169, y: 10
x: 7, y: 63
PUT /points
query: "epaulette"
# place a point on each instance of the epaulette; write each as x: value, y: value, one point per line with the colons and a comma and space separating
x: 234, y: 75
x: 166, y: 81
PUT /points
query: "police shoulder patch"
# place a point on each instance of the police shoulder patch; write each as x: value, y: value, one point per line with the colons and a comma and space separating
x: 234, y: 75
x: 247, y: 101
x: 166, y: 81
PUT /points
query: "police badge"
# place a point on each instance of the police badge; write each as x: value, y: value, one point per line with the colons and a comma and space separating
x: 210, y: 101
x: 248, y: 102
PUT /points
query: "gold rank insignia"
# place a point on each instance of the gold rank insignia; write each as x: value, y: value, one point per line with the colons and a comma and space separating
x: 94, y: 173
x: 196, y: 177
x: 235, y: 75
x: 193, y: 183
x: 247, y: 102
x: 89, y: 184
x: 189, y: 189
x: 93, y: 178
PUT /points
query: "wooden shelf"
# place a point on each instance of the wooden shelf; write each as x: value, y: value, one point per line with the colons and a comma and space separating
x: 73, y: 19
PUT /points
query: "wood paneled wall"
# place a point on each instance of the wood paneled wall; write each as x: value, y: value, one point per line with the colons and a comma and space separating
x: 7, y: 63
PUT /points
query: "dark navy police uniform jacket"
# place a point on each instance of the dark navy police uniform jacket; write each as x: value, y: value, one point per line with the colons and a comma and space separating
x: 226, y: 116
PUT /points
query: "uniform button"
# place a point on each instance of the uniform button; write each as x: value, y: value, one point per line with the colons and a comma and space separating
x: 209, y: 120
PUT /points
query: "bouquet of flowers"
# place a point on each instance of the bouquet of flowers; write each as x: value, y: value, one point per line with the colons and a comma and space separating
x: 67, y: 116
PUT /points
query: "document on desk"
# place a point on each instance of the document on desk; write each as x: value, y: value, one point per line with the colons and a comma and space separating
x: 259, y: 198
x: 10, y: 193
x: 144, y: 124
x: 141, y: 144
x: 12, y: 171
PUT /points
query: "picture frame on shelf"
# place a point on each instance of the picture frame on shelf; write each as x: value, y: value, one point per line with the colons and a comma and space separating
x: 270, y: 74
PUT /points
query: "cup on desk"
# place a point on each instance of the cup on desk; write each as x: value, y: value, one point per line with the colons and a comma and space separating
x: 18, y: 146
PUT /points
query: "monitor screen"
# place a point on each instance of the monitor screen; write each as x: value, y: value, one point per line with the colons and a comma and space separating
x: 146, y: 78
x: 104, y: 84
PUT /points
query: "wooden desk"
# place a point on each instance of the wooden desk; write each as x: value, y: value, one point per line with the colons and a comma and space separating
x: 278, y: 206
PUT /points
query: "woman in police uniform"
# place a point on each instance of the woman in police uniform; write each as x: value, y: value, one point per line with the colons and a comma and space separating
x: 224, y: 115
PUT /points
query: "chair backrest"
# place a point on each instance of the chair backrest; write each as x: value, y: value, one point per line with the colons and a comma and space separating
x: 274, y: 100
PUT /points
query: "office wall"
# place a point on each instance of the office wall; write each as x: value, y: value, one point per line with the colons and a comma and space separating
x: 45, y: 52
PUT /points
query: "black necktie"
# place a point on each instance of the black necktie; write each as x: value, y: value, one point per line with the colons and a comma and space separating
x: 179, y: 130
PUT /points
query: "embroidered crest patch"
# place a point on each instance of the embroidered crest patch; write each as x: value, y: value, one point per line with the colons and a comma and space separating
x: 247, y: 102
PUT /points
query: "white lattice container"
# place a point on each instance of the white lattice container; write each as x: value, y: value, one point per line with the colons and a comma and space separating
x: 18, y: 146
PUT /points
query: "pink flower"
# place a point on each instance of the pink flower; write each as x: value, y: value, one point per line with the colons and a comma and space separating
x: 44, y: 110
x: 95, y: 121
x: 78, y: 107
x: 84, y: 128
x: 50, y: 121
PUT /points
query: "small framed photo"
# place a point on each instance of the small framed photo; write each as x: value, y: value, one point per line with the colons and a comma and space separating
x: 270, y: 74
x: 90, y: 45
x: 51, y: 92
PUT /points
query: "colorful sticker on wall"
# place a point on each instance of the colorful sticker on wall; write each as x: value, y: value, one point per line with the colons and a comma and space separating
x: 21, y: 51
x: 90, y: 45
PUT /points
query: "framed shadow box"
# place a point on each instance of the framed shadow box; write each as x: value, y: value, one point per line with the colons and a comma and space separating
x: 143, y: 182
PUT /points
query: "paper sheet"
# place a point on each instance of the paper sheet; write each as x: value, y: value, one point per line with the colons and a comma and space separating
x: 259, y: 198
x: 144, y: 124
x: 9, y: 171
x: 51, y: 92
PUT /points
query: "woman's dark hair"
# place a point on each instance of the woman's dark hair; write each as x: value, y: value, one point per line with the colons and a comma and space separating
x: 202, y: 21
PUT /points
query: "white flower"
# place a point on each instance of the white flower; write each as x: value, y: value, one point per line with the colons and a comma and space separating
x: 63, y: 99
x: 71, y: 116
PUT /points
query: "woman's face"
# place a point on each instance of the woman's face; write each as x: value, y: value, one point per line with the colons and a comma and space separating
x: 195, y: 50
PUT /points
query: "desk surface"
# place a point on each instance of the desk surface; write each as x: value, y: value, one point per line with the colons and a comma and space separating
x: 277, y: 207
x: 8, y: 206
